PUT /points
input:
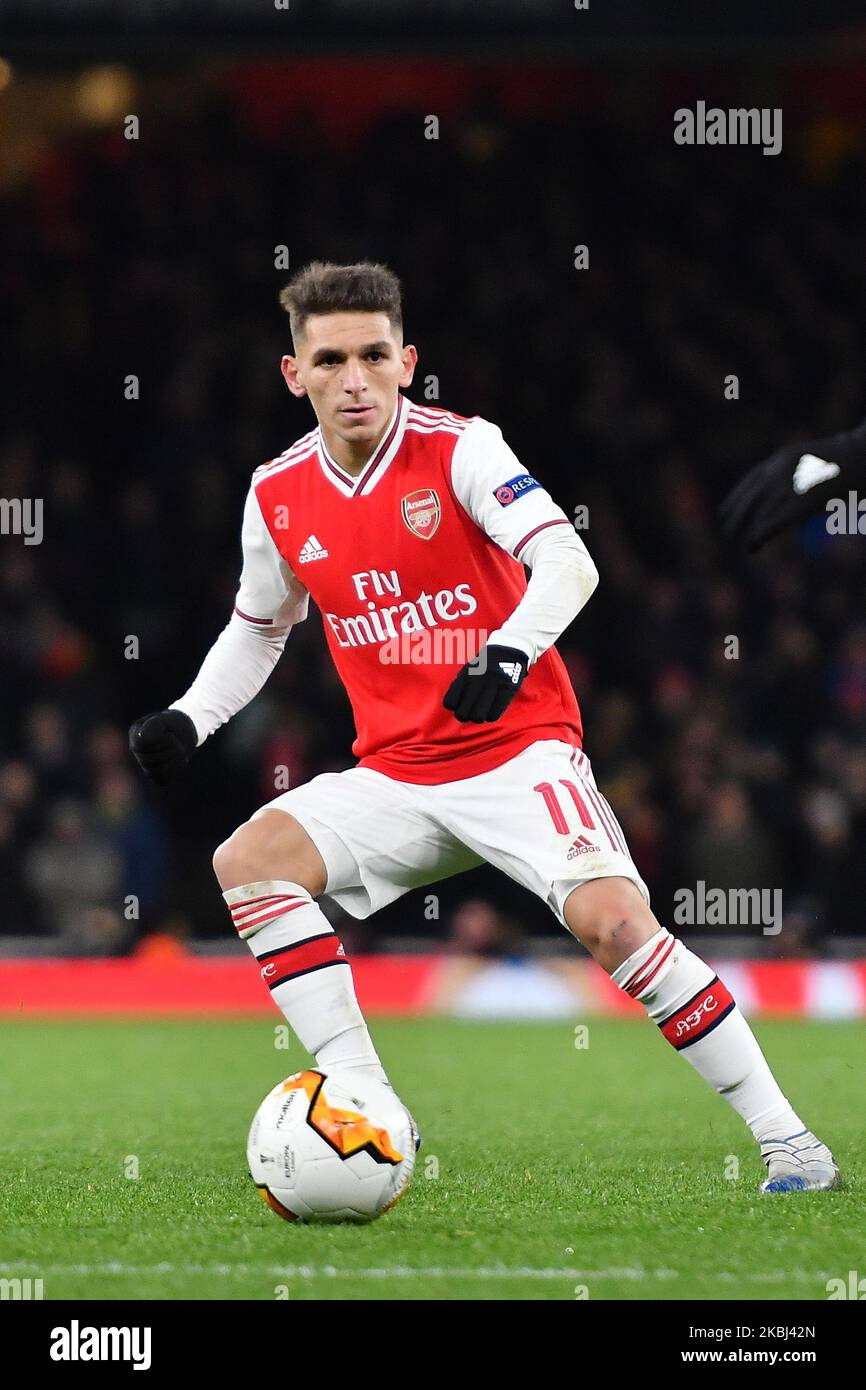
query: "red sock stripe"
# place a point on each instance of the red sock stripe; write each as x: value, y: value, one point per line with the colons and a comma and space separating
x: 648, y: 971
x: 253, y: 906
x: 270, y: 915
x: 312, y: 954
x: 256, y: 911
x: 263, y: 898
x: 699, y: 1016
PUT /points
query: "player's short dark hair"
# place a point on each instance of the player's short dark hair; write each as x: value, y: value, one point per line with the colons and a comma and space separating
x: 325, y: 288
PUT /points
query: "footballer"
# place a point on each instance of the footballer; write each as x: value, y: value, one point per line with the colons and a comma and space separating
x: 410, y: 526
x: 794, y: 483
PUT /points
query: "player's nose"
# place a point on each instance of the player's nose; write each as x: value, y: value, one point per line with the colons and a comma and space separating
x: 353, y: 377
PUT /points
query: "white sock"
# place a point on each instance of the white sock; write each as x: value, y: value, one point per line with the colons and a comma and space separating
x: 698, y: 1016
x: 305, y: 967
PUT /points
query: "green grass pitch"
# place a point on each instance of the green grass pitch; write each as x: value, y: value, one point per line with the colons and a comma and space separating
x: 547, y: 1171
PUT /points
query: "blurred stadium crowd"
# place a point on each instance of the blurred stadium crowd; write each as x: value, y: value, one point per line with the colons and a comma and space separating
x: 155, y: 258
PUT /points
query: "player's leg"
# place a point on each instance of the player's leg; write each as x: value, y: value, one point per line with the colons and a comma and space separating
x: 559, y: 838
x: 699, y: 1017
x: 271, y: 872
x: 693, y: 1008
x: 357, y: 836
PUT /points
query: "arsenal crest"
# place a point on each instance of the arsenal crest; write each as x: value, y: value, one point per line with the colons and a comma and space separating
x: 421, y: 512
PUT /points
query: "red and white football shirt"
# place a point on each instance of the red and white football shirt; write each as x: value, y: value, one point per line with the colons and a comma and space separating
x: 413, y: 564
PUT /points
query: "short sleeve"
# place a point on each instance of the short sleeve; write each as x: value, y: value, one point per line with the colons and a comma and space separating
x: 495, y: 489
x: 269, y: 594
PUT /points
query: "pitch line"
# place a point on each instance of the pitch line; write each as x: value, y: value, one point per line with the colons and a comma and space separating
x: 309, y: 1272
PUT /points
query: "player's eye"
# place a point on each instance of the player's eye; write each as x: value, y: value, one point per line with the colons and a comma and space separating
x: 375, y: 356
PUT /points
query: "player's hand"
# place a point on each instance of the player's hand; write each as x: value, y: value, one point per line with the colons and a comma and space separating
x: 793, y: 484
x: 483, y: 690
x: 163, y: 744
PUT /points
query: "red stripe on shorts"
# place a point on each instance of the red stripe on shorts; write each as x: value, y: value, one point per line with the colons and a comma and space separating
x: 582, y: 808
x: 602, y: 818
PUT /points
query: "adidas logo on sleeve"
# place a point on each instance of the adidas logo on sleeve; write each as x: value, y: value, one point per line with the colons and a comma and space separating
x: 312, y: 549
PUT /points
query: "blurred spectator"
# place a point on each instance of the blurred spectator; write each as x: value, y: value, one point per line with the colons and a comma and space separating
x: 76, y: 877
x: 480, y: 929
x: 741, y: 768
x: 136, y: 834
x: 729, y: 848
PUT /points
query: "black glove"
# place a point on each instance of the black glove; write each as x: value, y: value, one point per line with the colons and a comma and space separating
x: 483, y: 690
x: 163, y: 744
x: 793, y: 484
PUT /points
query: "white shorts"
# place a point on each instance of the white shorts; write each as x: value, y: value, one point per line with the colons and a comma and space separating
x: 538, y: 817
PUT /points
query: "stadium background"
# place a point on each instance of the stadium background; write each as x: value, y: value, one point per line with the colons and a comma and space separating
x: 155, y: 257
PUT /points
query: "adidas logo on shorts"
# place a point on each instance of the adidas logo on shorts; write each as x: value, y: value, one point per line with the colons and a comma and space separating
x: 312, y: 549
x: 579, y: 846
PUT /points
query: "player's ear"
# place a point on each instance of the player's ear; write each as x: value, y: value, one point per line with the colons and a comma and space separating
x: 409, y: 358
x: 289, y: 369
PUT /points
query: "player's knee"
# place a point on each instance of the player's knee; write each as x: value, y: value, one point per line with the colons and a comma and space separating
x: 239, y: 859
x: 270, y: 846
x: 610, y: 918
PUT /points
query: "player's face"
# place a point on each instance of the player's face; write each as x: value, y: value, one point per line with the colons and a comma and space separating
x: 351, y: 365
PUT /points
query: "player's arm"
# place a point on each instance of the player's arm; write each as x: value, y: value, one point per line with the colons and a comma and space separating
x: 792, y: 484
x: 270, y: 600
x: 521, y: 517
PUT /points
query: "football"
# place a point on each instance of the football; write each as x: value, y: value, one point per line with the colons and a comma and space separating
x: 332, y: 1146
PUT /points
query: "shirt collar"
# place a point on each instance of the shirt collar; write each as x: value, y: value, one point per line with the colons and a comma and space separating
x: 378, y: 461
